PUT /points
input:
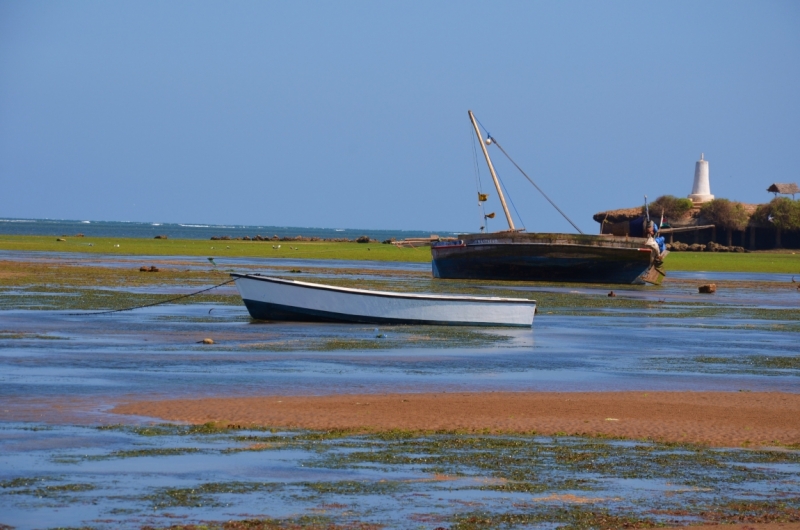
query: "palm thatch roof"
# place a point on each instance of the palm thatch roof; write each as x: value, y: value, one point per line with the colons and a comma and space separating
x: 784, y: 189
x: 618, y: 216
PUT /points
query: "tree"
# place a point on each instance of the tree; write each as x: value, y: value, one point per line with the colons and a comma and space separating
x: 726, y: 214
x: 785, y: 213
x: 670, y: 206
x: 782, y: 213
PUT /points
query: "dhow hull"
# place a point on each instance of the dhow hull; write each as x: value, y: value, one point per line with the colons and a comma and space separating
x: 545, y: 257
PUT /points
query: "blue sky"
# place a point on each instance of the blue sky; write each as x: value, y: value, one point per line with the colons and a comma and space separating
x: 354, y: 114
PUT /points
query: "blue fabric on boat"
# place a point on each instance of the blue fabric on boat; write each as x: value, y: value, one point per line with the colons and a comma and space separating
x: 636, y: 227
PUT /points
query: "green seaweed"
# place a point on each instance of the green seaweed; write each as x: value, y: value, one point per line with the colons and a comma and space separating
x: 55, y: 490
x: 783, y: 362
x: 23, y: 482
x: 568, y: 518
x: 303, y: 522
x: 352, y: 487
x: 171, y: 429
x: 137, y: 453
x: 772, y: 365
x: 202, y: 495
x: 391, y: 337
x: 11, y: 335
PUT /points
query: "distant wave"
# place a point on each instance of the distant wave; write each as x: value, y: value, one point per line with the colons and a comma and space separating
x: 145, y: 229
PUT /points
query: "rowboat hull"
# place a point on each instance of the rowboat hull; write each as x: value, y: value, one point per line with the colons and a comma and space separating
x: 269, y: 298
x: 545, y: 257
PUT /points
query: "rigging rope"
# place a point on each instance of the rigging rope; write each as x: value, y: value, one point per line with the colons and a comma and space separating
x: 153, y: 304
x: 511, y: 201
x: 484, y: 221
x: 494, y: 140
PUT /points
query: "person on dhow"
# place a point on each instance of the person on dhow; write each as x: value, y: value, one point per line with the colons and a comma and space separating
x: 655, y: 243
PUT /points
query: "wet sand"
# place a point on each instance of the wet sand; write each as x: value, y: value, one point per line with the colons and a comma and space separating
x: 723, y: 419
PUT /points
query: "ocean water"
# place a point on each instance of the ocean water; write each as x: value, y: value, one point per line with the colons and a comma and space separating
x: 58, y: 227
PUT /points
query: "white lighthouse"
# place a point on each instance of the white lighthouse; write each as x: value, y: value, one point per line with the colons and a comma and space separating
x: 701, y: 190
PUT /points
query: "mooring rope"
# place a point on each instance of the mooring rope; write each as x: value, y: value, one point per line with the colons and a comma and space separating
x: 154, y: 303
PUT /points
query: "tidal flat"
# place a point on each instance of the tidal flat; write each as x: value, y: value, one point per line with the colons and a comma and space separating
x: 182, y: 475
x: 68, y: 461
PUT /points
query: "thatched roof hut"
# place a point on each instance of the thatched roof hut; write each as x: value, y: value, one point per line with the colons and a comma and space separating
x: 784, y: 189
x: 618, y: 216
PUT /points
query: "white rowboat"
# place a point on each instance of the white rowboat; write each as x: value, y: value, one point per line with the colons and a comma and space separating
x: 270, y: 298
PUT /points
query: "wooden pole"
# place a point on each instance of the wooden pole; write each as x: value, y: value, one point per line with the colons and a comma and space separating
x: 491, y: 170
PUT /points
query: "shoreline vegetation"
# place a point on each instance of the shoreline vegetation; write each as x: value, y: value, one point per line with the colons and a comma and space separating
x: 775, y: 261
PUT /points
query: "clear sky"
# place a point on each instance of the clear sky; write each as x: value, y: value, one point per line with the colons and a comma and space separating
x: 354, y: 114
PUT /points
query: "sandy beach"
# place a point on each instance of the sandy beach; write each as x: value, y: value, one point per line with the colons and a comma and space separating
x: 715, y: 418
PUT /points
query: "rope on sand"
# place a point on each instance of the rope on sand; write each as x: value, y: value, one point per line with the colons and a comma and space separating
x: 154, y: 303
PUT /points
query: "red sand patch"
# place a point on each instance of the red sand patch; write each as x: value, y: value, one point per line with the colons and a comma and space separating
x: 713, y: 418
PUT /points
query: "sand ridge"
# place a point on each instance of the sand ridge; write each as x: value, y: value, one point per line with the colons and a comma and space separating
x: 729, y: 419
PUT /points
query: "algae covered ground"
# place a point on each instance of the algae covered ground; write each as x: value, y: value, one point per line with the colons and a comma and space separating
x: 219, y: 475
x: 787, y: 262
x: 230, y: 248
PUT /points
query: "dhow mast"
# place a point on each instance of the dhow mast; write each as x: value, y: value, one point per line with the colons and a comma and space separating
x: 491, y: 170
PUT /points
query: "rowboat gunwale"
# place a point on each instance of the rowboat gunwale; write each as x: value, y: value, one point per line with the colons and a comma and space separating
x: 388, y: 294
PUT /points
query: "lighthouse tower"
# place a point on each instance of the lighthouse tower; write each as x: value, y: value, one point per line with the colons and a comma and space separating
x: 701, y: 190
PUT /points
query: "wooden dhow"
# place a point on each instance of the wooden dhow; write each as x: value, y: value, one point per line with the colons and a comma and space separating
x: 514, y: 254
